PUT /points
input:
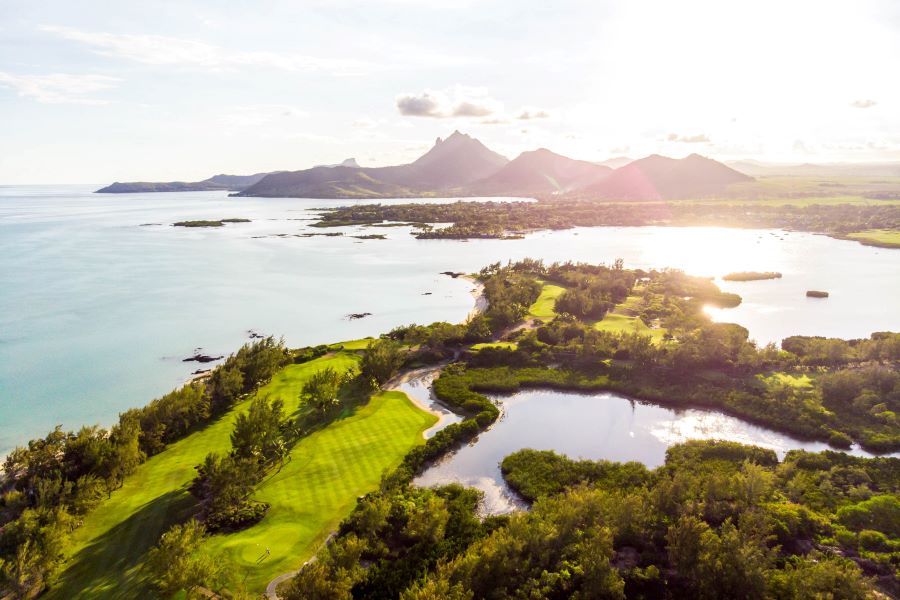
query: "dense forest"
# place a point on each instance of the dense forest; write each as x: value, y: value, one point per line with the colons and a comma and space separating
x: 503, y: 219
x: 718, y: 520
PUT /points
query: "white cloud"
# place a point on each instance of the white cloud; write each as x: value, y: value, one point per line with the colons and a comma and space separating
x: 163, y: 51
x: 863, y: 103
x: 59, y: 88
x: 699, y: 138
x: 464, y: 102
x: 529, y: 113
x: 459, y: 102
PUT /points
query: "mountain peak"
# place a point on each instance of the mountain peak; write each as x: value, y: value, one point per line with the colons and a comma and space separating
x: 657, y: 177
x: 458, y: 159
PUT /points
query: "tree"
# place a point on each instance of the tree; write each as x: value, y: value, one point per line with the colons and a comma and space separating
x: 177, y: 562
x: 315, y: 582
x: 126, y: 454
x: 39, y: 539
x: 225, y: 386
x: 321, y: 389
x: 257, y: 433
x: 818, y: 577
x: 381, y: 361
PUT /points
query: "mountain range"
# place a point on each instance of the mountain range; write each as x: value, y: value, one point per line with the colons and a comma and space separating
x: 460, y: 165
x: 762, y: 169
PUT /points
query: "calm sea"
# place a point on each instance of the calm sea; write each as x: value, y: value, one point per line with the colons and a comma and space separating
x: 101, y: 299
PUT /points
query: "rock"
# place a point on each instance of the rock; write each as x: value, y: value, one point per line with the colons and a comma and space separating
x: 799, y: 546
x: 254, y: 335
x: 816, y: 294
x: 202, y: 358
x: 353, y: 316
x: 426, y: 293
x: 453, y: 274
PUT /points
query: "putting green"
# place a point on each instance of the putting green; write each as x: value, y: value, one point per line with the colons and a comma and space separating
x: 545, y: 306
x: 109, y: 548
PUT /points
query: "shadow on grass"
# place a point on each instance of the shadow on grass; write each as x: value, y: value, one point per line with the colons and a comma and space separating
x: 110, y: 565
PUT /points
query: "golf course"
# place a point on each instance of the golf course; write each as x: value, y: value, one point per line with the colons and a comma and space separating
x: 318, y: 485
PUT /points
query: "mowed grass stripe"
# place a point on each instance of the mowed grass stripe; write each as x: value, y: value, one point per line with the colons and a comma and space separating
x: 319, y: 487
x: 109, y: 547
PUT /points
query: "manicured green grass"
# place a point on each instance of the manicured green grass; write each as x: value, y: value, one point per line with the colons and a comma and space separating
x: 623, y: 320
x: 507, y: 345
x: 544, y: 306
x: 884, y: 238
x: 352, y: 344
x: 109, y: 547
x: 313, y: 492
x: 619, y: 323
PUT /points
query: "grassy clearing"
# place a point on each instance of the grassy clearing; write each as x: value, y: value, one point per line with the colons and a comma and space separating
x: 507, y: 345
x: 619, y: 323
x: 544, y: 306
x: 313, y: 492
x: 884, y: 238
x: 109, y: 547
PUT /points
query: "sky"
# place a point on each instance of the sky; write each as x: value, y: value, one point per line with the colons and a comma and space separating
x: 96, y: 91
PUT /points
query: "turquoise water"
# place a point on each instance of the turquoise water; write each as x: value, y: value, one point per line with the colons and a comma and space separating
x: 98, y: 307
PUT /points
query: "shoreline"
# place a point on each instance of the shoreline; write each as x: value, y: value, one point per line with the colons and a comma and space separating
x: 481, y: 302
x: 395, y: 383
x: 425, y: 377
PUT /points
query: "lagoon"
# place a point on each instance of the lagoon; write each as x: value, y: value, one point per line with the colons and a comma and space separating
x: 609, y: 427
x: 101, y: 299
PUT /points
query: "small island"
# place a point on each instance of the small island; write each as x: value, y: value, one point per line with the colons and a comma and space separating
x: 752, y: 275
x: 208, y: 223
x: 816, y: 294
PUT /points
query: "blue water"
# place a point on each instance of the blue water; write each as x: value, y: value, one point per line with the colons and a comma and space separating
x: 97, y: 311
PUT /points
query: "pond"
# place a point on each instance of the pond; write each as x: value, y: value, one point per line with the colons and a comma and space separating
x: 593, y: 426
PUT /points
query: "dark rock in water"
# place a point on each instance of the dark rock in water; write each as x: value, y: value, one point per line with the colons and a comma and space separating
x: 254, y: 335
x: 426, y: 293
x: 202, y: 358
x: 816, y: 294
x: 453, y: 274
x: 208, y: 223
x: 201, y: 371
x: 353, y: 316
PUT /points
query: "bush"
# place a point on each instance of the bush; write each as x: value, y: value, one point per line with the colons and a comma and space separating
x: 874, y: 541
x: 237, y: 517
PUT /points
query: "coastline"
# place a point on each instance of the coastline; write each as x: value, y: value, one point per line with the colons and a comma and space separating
x: 481, y: 302
x: 426, y: 375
